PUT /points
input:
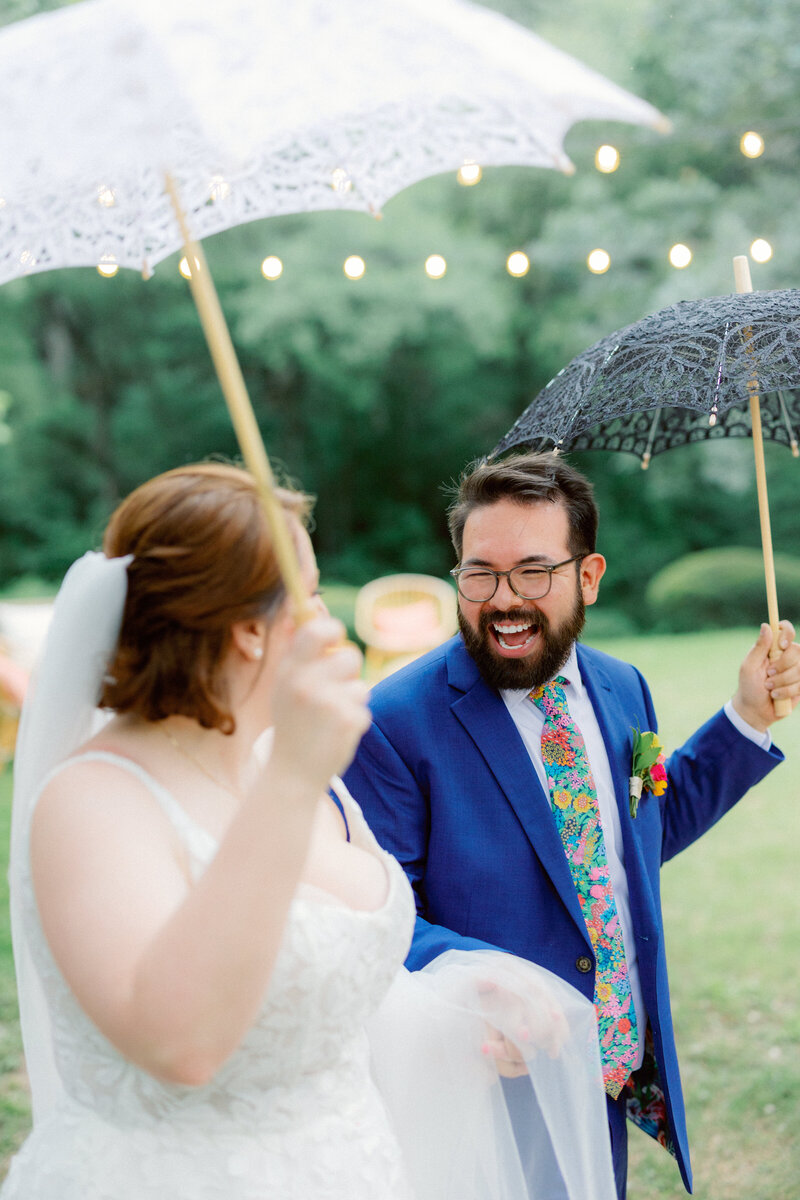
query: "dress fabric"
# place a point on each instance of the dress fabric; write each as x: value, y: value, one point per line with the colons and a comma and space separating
x: 293, y: 1114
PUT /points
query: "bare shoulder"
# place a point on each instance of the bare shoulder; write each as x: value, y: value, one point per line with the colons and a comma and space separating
x: 91, y: 781
x: 97, y: 798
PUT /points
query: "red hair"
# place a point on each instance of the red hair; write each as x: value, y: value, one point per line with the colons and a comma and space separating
x: 203, y: 559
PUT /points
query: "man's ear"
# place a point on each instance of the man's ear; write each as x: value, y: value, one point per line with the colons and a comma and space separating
x: 593, y: 568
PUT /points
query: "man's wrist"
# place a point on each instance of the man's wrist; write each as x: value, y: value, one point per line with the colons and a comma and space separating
x: 750, y: 725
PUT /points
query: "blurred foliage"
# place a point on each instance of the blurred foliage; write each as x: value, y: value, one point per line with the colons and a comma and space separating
x: 718, y: 588
x: 375, y: 393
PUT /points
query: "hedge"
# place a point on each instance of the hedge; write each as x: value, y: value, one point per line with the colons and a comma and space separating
x: 720, y: 588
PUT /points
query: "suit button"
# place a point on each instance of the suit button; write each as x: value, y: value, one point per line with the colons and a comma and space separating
x: 584, y: 964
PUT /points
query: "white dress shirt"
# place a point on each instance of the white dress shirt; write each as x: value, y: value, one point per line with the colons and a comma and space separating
x: 529, y: 721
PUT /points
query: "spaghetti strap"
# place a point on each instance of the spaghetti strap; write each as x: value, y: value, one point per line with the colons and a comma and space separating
x: 335, y: 793
x: 197, y: 840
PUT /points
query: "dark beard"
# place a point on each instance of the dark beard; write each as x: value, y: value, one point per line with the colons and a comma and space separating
x: 528, y: 672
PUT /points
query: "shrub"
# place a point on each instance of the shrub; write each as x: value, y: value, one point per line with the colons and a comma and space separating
x: 607, y: 623
x: 720, y: 588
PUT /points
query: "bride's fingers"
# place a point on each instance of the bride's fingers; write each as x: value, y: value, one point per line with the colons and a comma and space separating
x: 536, y: 1021
x: 505, y: 1055
x: 316, y: 636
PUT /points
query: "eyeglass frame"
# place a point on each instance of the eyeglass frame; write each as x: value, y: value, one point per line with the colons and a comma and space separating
x: 498, y: 575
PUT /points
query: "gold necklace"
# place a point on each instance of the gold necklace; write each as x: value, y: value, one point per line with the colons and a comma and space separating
x: 225, y: 787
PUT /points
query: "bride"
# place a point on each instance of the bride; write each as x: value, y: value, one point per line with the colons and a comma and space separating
x: 209, y: 942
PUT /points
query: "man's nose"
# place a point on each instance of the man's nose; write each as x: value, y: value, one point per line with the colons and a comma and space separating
x: 505, y: 596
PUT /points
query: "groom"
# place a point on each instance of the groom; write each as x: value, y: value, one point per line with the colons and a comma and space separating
x: 497, y: 767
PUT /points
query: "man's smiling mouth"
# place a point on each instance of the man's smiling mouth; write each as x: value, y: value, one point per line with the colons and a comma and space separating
x: 514, y: 635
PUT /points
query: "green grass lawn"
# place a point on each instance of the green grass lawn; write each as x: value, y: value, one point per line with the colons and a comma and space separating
x: 733, y: 924
x: 733, y: 929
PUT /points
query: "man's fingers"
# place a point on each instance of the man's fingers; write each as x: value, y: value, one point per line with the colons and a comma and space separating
x: 783, y: 671
x: 763, y: 643
x: 787, y: 633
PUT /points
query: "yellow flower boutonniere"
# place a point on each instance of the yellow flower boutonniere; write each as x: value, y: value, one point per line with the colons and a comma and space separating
x: 648, y: 772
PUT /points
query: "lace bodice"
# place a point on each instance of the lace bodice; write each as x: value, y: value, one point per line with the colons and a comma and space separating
x: 292, y: 1112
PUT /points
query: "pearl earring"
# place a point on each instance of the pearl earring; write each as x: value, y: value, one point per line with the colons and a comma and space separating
x: 258, y: 652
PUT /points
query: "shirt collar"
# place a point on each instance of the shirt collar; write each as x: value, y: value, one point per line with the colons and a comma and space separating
x: 570, y: 671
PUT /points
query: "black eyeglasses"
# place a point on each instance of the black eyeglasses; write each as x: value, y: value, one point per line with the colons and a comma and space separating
x: 529, y: 582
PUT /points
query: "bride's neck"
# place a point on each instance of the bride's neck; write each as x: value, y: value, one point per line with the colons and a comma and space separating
x: 227, y: 759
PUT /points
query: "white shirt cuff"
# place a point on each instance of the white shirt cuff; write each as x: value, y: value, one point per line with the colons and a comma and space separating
x: 762, y: 739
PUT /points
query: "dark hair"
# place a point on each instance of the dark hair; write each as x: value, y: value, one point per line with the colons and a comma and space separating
x: 203, y: 558
x: 527, y: 479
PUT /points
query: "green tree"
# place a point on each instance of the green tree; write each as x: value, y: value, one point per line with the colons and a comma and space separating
x: 373, y: 393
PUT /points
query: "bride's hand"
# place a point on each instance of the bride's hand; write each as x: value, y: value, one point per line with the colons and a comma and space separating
x: 319, y: 702
x: 507, y: 1057
x: 535, y: 1020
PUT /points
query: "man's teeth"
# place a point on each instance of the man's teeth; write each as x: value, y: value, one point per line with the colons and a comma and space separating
x: 502, y: 631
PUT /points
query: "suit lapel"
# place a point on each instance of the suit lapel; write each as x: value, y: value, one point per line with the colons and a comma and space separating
x: 486, y: 719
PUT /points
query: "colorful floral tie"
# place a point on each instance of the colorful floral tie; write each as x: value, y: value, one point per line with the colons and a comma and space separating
x: 574, y: 799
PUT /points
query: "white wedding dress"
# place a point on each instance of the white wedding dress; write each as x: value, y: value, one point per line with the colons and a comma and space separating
x: 292, y: 1115
x: 358, y: 1081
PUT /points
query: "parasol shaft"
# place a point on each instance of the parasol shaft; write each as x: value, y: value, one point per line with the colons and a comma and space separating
x: 741, y: 271
x: 241, y: 412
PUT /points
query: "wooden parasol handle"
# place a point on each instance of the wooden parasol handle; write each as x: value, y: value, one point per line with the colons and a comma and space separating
x: 241, y: 412
x: 741, y: 273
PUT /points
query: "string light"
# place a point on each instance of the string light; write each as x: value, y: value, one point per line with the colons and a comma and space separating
x: 606, y: 159
x: 108, y: 266
x: 760, y: 250
x: 435, y: 266
x: 185, y: 269
x: 272, y: 267
x: 751, y: 144
x: 598, y: 261
x: 680, y: 256
x: 106, y: 196
x: 518, y: 264
x: 27, y: 260
x: 354, y: 266
x: 469, y: 173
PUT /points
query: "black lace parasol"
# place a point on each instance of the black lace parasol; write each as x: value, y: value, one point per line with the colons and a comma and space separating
x: 691, y: 372
x: 683, y: 374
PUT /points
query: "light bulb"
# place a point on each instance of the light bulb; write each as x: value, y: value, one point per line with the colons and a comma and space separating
x: 185, y: 270
x: 354, y: 266
x: 598, y: 262
x: 272, y: 267
x: 680, y: 256
x: 760, y: 250
x: 751, y: 144
x: 518, y: 264
x: 469, y: 173
x: 435, y: 266
x: 606, y: 159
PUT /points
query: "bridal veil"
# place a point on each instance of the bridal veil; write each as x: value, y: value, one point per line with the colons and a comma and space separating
x: 455, y: 1120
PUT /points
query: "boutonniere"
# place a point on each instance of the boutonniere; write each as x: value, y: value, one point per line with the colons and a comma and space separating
x: 648, y: 772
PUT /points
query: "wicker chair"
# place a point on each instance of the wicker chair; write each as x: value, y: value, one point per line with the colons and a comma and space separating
x: 399, y: 617
x: 13, y: 683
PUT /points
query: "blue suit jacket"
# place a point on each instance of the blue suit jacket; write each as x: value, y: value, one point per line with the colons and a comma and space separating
x: 447, y: 785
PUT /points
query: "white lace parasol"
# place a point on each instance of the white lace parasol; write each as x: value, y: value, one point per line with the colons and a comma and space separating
x: 261, y: 108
